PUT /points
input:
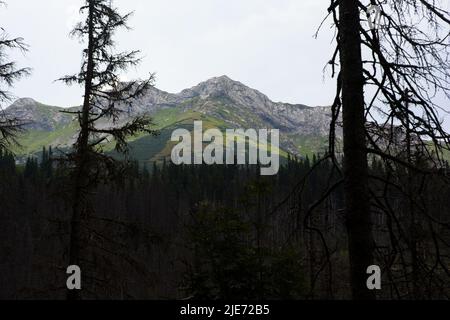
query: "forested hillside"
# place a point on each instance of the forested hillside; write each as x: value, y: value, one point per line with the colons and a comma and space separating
x: 209, y: 232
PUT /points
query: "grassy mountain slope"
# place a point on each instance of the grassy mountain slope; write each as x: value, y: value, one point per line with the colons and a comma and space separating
x: 219, y: 102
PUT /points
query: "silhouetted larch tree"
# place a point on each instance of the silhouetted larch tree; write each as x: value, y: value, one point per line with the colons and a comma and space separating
x: 105, y: 98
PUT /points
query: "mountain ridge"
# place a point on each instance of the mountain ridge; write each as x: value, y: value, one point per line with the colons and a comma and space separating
x: 221, y: 100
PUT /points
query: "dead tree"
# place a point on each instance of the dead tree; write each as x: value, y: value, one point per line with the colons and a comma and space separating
x: 402, y: 65
x: 356, y: 190
x: 105, y: 99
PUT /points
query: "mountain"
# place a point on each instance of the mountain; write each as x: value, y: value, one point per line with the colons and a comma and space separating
x: 38, y: 116
x: 219, y: 102
x: 239, y: 105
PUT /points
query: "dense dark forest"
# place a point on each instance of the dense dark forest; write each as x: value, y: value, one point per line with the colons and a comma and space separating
x: 213, y: 232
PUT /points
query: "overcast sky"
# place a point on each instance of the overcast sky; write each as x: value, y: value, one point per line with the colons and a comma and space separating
x: 267, y: 45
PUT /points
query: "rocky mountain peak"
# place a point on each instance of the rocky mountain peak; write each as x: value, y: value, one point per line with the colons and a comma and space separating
x: 225, y: 88
x: 36, y: 115
x: 24, y: 103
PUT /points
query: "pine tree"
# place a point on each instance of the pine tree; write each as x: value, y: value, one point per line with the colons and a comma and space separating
x: 9, y: 74
x: 105, y: 98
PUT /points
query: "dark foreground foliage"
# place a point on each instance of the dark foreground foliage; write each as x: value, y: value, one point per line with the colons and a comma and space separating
x: 210, y: 232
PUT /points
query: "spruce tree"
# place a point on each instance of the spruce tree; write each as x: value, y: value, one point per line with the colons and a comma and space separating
x: 9, y: 74
x: 106, y: 98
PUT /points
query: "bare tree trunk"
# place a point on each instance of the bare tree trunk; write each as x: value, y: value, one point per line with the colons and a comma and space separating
x: 80, y: 206
x: 358, y: 217
x: 413, y: 223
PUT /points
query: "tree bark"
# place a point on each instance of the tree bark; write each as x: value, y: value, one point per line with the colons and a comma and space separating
x: 358, y: 216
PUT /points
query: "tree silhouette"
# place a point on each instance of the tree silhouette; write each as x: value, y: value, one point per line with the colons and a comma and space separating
x: 9, y: 74
x: 105, y: 99
x: 403, y: 65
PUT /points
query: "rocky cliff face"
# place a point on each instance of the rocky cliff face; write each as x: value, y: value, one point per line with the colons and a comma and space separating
x: 227, y: 99
x: 38, y: 116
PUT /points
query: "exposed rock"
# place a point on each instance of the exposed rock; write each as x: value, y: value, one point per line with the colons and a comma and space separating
x: 240, y: 100
x: 37, y: 116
